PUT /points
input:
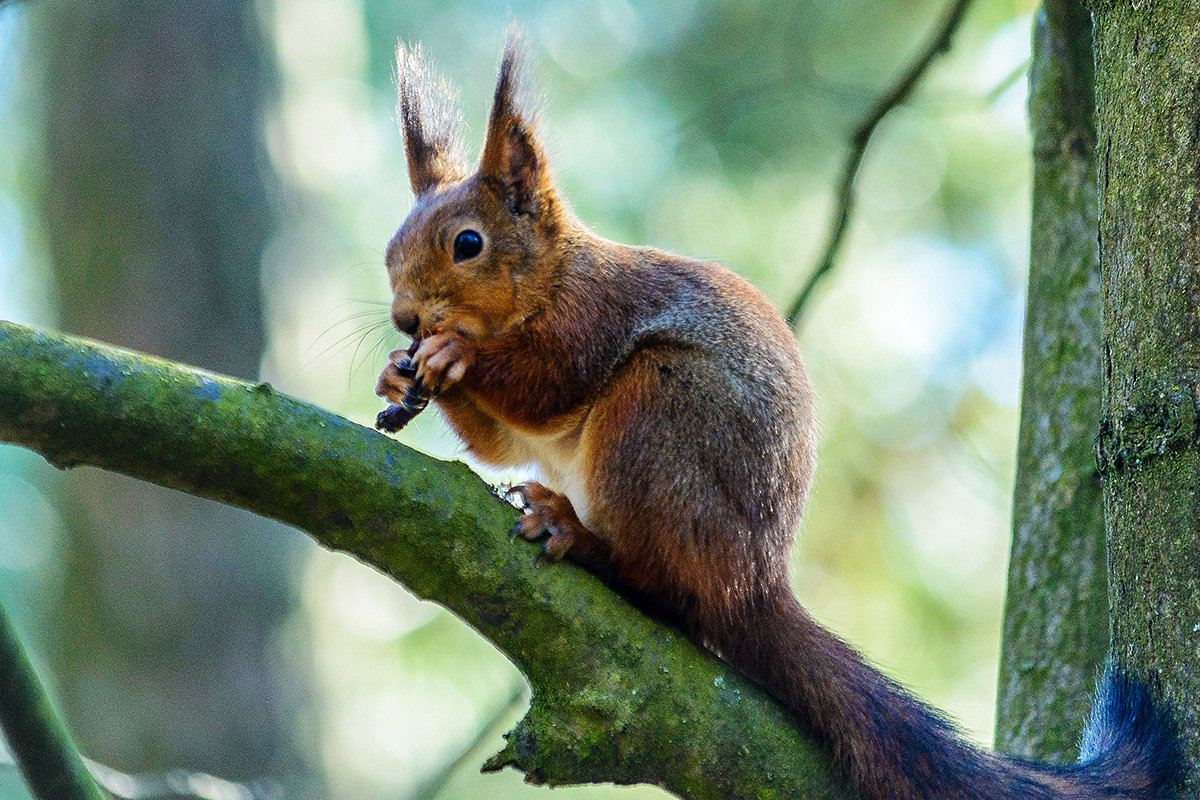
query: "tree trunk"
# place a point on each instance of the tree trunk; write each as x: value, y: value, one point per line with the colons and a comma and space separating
x: 1148, y: 60
x: 154, y: 212
x: 1056, y: 615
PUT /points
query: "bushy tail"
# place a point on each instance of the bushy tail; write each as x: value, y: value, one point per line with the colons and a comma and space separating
x: 893, y: 747
x: 1130, y: 748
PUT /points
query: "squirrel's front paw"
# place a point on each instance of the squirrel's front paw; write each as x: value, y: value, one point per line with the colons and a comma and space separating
x: 441, y: 360
x: 396, y: 377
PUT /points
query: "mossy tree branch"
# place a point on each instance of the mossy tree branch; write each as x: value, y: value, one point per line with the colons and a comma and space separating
x: 616, y: 696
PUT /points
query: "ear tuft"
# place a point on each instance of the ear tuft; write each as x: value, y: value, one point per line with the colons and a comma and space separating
x: 512, y: 152
x: 428, y: 113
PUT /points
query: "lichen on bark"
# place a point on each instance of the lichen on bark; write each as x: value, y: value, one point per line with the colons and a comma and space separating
x: 1148, y: 118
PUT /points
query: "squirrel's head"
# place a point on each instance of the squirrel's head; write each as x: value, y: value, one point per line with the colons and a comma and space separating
x: 478, y: 248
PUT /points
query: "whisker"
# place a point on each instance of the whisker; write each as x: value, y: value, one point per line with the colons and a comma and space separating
x: 355, y: 363
x: 373, y: 353
x: 364, y: 326
x: 361, y: 331
x: 360, y: 301
x: 343, y: 321
x: 384, y: 303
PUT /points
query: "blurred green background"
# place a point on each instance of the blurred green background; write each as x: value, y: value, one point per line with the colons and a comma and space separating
x: 710, y: 128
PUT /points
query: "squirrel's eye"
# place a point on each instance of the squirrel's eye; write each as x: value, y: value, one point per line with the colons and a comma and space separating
x: 467, y: 245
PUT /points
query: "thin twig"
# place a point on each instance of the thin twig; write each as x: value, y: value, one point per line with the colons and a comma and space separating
x: 1006, y: 83
x: 34, y: 731
x: 938, y: 44
x: 982, y: 99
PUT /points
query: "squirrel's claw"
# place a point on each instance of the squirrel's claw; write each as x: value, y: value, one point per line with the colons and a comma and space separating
x: 536, y: 521
x: 515, y: 495
x: 556, y: 546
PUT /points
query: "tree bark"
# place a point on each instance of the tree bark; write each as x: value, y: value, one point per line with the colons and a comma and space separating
x: 155, y: 218
x: 616, y: 696
x: 1148, y: 115
x: 1056, y: 612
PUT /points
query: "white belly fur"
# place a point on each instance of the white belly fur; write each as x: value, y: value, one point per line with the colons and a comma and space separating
x: 558, y: 460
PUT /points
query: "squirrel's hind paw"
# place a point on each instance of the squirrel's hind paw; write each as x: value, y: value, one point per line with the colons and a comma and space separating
x: 546, y: 513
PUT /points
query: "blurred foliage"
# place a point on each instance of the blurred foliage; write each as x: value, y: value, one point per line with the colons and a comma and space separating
x: 710, y: 128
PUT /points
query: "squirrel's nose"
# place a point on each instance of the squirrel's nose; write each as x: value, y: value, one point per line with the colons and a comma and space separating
x: 406, y: 322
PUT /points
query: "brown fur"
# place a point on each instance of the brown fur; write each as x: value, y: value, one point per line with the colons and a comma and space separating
x: 665, y: 404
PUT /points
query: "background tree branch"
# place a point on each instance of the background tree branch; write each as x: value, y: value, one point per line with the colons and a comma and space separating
x: 1056, y: 609
x: 938, y: 43
x: 39, y: 740
x: 45, y: 753
x: 152, y: 135
x: 616, y: 696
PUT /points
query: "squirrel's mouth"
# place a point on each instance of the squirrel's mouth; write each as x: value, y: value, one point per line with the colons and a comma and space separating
x: 421, y: 320
x: 417, y: 319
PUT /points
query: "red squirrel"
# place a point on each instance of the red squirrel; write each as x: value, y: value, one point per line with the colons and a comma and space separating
x: 665, y: 406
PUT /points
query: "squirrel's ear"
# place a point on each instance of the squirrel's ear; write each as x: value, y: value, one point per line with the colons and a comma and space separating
x: 512, y: 154
x: 430, y: 122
